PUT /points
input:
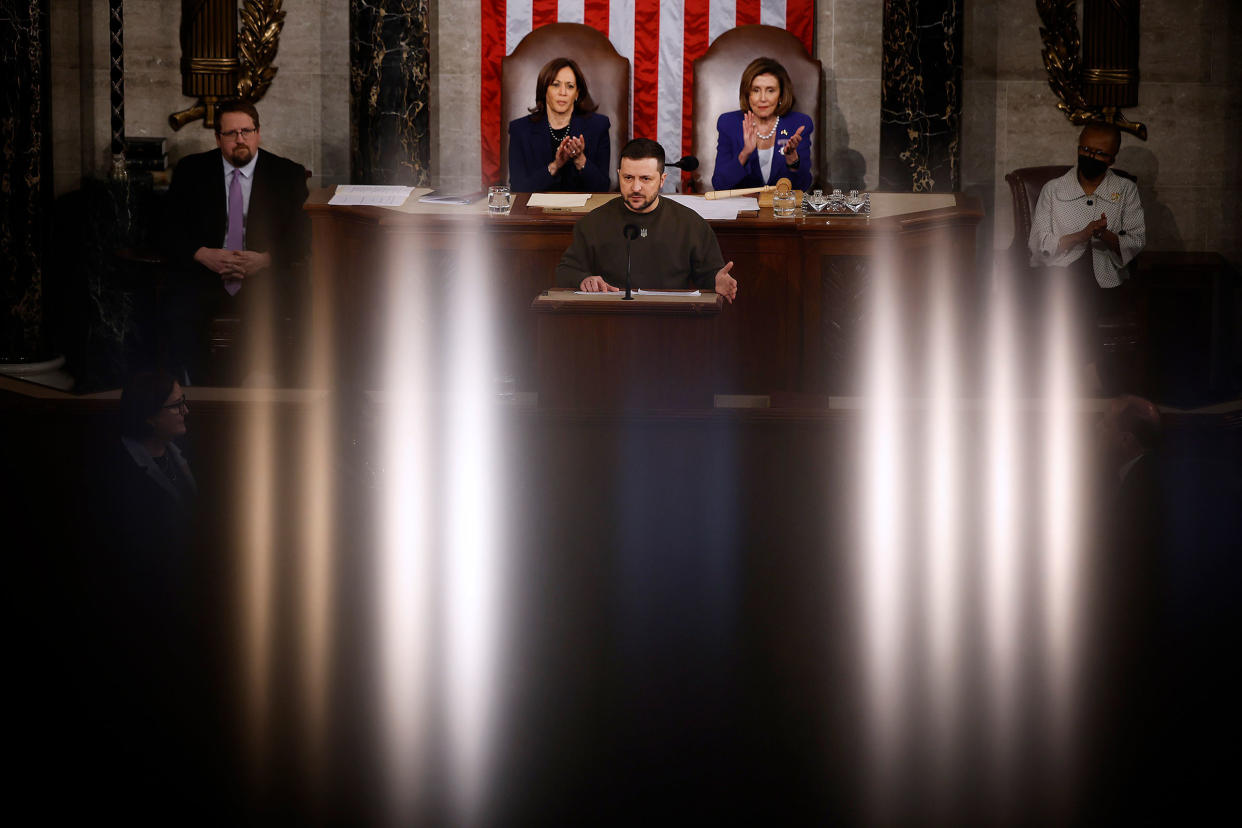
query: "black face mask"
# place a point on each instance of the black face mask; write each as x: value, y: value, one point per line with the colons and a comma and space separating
x: 1091, y: 168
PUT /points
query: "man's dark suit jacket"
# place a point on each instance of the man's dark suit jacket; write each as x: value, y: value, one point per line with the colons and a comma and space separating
x: 276, y: 224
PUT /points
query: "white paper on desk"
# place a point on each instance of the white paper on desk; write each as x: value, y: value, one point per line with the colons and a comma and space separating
x: 558, y: 199
x: 376, y: 196
x: 720, y: 209
x: 459, y: 199
x: 638, y: 292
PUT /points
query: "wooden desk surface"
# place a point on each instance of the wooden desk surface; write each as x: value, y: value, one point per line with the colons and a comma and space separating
x: 904, y: 209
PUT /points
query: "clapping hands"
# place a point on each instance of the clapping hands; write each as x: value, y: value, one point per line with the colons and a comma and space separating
x: 571, y: 149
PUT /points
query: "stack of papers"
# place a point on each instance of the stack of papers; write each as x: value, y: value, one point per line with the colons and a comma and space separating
x: 640, y: 292
x: 558, y: 199
x: 721, y: 209
x: 376, y: 196
x: 451, y: 198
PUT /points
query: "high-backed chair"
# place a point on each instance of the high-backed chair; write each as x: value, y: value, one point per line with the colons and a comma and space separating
x: 718, y: 73
x: 1025, y: 184
x: 607, y: 75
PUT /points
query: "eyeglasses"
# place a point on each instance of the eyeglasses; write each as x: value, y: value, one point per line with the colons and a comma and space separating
x: 177, y: 405
x: 234, y: 134
x: 1095, y: 153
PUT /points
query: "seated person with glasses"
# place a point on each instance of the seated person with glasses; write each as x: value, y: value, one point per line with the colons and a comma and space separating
x: 236, y: 229
x: 1087, y: 228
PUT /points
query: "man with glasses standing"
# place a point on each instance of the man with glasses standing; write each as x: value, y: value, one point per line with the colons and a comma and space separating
x: 1087, y: 228
x: 237, y: 230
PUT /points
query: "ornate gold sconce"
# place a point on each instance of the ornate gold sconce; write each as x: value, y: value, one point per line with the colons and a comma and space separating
x: 1105, y: 78
x: 222, y: 61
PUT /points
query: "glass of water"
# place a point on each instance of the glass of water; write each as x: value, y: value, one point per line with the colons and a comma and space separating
x: 499, y: 199
x: 783, y: 204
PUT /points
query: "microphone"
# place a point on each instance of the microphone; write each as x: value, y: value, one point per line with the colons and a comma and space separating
x: 631, y: 232
x: 1090, y: 201
x: 689, y: 163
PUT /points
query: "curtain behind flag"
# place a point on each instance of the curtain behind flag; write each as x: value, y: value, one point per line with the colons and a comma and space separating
x: 661, y: 41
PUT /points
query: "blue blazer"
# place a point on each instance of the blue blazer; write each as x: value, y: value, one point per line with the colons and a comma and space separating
x: 730, y: 175
x: 531, y: 150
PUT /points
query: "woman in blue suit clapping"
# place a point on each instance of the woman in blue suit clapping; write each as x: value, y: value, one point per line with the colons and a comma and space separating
x: 563, y: 144
x: 763, y: 141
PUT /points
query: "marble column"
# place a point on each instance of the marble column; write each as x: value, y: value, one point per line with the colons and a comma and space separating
x: 921, y: 98
x: 26, y: 185
x: 389, y: 69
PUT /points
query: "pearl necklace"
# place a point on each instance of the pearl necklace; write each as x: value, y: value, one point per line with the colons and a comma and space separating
x: 772, y: 131
x: 564, y: 133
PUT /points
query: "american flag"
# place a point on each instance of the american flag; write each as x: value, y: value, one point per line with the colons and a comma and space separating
x: 661, y: 40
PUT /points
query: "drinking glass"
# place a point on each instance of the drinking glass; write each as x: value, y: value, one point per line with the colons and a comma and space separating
x: 499, y: 199
x: 783, y: 204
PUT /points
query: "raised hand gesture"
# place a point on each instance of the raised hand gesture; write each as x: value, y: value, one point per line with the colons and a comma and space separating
x: 750, y: 136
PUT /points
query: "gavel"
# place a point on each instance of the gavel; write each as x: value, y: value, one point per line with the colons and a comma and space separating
x: 781, y: 186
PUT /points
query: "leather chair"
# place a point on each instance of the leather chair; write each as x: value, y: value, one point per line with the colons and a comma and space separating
x: 1025, y: 184
x: 719, y: 71
x: 607, y: 75
x: 1123, y: 336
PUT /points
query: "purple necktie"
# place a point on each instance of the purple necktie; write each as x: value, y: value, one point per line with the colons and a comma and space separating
x: 233, y: 240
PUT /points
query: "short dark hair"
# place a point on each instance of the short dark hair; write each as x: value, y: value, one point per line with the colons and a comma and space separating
x: 142, y: 398
x: 1104, y: 128
x: 640, y: 148
x: 766, y: 66
x: 583, y: 103
x: 245, y: 107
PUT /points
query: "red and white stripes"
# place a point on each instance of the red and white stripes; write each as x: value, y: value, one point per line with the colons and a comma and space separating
x: 661, y: 41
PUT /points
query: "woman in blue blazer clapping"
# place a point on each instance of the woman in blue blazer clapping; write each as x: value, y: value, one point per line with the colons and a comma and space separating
x: 763, y: 141
x: 563, y: 144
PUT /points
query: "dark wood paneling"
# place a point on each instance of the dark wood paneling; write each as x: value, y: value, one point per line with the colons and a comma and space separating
x: 794, y: 326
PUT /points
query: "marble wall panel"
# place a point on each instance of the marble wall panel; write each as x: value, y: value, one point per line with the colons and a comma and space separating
x: 921, y: 111
x: 390, y: 79
x: 25, y: 198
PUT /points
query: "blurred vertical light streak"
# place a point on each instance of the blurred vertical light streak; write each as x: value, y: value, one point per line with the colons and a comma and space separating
x: 1002, y: 550
x: 404, y: 559
x: 316, y: 542
x: 882, y: 565
x: 473, y: 559
x: 1062, y: 527
x: 944, y: 565
x: 256, y: 491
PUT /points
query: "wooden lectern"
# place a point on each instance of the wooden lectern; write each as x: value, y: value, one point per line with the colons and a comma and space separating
x: 598, y: 351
